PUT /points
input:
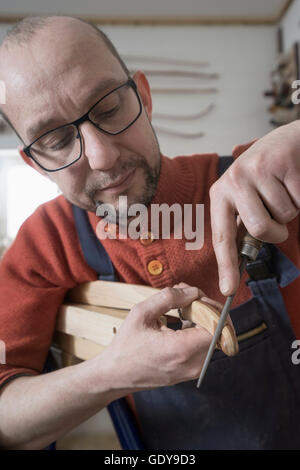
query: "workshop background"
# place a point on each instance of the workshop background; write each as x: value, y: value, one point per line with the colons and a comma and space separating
x: 221, y: 68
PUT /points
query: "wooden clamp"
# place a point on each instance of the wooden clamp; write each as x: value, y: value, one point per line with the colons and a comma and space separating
x: 93, y: 312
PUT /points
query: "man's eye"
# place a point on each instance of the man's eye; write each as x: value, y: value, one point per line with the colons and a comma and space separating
x: 55, y: 145
x: 107, y: 114
x: 60, y: 145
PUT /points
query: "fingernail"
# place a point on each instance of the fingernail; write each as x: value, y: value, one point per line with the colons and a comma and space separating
x: 224, y: 286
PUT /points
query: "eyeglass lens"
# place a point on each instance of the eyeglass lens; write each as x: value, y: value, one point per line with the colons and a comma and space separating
x: 113, y: 114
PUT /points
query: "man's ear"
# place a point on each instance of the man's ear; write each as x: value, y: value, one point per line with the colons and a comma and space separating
x: 31, y: 162
x: 144, y: 91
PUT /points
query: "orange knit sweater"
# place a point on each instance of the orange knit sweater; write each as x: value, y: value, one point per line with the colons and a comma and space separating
x: 46, y: 260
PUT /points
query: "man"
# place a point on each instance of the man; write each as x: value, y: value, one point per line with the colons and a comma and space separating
x: 57, y: 70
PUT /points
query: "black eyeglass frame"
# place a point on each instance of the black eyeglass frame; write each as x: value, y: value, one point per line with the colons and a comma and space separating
x: 82, y: 119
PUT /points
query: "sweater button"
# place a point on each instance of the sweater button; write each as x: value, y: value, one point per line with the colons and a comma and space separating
x: 111, y: 228
x: 155, y: 267
x: 146, y: 238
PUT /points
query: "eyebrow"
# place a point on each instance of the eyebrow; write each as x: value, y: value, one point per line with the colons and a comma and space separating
x: 34, y: 131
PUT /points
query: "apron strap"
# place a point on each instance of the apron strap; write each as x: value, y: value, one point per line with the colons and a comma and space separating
x: 224, y: 164
x: 94, y: 252
x: 98, y: 259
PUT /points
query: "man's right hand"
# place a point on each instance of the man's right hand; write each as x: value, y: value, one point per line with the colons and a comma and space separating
x: 146, y: 354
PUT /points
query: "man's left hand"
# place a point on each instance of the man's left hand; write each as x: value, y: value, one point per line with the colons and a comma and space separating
x: 262, y: 187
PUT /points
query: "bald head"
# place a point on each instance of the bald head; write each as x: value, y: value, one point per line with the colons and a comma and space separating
x: 37, y: 29
x: 56, y: 69
x: 23, y: 31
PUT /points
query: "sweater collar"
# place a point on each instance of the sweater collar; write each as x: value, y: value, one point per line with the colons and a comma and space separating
x: 175, y: 181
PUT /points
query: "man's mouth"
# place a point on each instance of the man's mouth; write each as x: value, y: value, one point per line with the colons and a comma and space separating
x: 121, y: 183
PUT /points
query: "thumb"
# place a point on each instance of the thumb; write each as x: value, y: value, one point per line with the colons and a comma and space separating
x: 167, y: 299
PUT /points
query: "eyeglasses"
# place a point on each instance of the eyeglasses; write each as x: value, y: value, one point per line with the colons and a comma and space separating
x: 112, y: 114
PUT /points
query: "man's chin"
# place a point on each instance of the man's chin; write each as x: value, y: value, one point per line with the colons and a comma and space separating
x: 141, y: 191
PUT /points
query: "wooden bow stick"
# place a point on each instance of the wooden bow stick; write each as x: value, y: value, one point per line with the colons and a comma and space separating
x: 93, y: 312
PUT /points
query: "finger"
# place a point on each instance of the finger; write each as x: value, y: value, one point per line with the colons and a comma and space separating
x: 181, y: 284
x: 187, y: 324
x: 184, y: 284
x: 195, y: 340
x: 292, y: 185
x: 278, y: 201
x: 165, y: 300
x: 218, y: 345
x: 257, y: 219
x: 224, y: 233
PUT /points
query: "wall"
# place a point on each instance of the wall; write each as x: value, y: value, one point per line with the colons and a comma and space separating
x: 156, y: 8
x: 241, y: 55
x: 291, y: 25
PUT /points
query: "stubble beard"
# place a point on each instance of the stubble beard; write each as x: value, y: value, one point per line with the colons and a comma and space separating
x: 149, y: 176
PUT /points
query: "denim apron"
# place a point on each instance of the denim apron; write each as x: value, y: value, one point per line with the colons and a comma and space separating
x: 249, y: 401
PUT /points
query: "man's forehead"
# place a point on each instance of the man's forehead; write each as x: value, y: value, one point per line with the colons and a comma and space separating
x: 44, y: 80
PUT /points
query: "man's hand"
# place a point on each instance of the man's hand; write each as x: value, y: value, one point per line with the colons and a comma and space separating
x: 263, y: 187
x: 146, y: 354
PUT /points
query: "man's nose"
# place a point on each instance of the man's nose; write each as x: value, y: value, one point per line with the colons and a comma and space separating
x: 99, y: 148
